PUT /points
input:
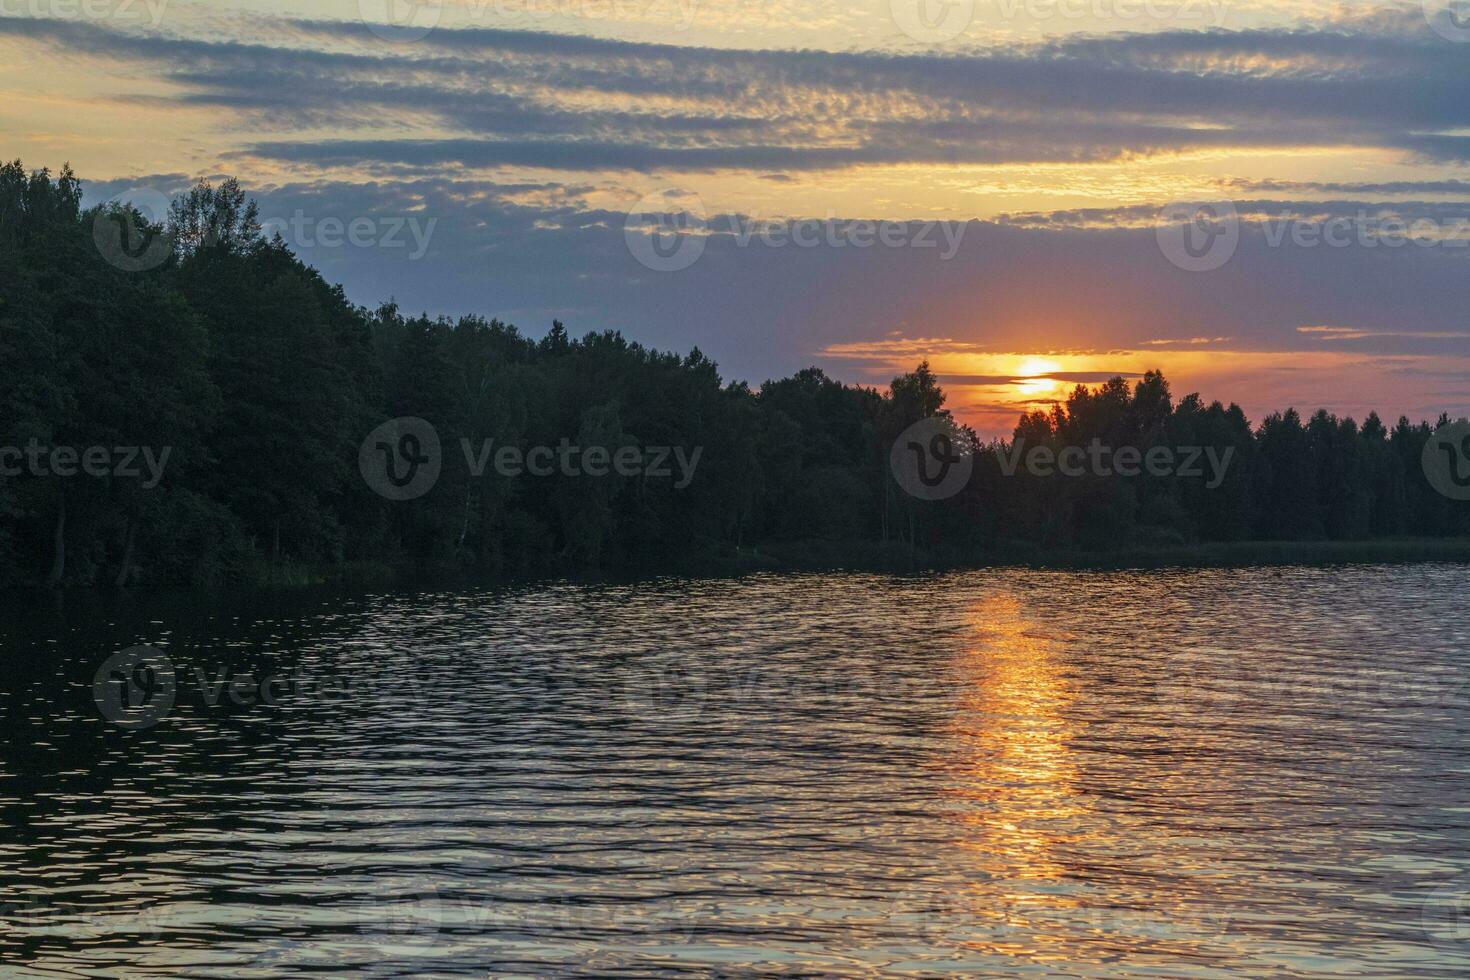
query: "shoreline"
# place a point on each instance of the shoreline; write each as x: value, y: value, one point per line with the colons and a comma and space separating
x: 817, y: 557
x: 848, y: 556
x: 1206, y: 555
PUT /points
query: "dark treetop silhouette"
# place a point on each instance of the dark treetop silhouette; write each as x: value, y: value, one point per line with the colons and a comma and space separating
x: 262, y: 380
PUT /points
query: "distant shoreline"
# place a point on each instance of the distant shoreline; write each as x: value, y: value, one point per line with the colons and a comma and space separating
x: 798, y: 558
x: 1203, y: 555
x: 840, y: 556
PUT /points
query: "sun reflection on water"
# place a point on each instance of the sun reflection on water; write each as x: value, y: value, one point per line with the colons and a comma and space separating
x: 1047, y: 868
x: 1017, y: 773
x: 1015, y: 786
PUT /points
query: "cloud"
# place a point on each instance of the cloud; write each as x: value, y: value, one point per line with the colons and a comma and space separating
x: 1261, y: 215
x: 1070, y: 377
x: 495, y: 98
x: 1355, y: 333
x: 900, y: 347
x: 1392, y: 187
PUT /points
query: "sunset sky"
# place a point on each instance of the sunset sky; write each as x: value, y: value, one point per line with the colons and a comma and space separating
x: 1050, y: 136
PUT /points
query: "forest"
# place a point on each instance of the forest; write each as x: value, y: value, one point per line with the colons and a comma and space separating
x: 260, y: 380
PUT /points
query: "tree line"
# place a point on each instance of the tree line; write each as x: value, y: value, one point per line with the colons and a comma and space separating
x: 261, y: 380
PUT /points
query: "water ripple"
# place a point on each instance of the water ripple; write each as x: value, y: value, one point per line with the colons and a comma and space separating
x: 1204, y: 773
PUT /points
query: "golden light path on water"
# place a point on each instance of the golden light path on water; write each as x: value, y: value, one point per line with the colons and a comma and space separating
x: 1017, y: 777
x: 1042, y: 843
x: 1016, y: 741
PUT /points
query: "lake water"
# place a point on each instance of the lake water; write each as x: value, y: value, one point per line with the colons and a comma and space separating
x: 1224, y: 772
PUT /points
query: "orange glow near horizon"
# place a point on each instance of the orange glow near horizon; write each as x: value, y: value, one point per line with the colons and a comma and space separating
x: 990, y: 390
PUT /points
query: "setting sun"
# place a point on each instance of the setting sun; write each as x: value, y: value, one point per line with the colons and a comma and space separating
x: 1033, y: 382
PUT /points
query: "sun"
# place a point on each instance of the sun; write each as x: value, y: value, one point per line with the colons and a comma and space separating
x: 1032, y: 372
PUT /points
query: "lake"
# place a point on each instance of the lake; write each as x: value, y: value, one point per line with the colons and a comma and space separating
x: 1258, y: 771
